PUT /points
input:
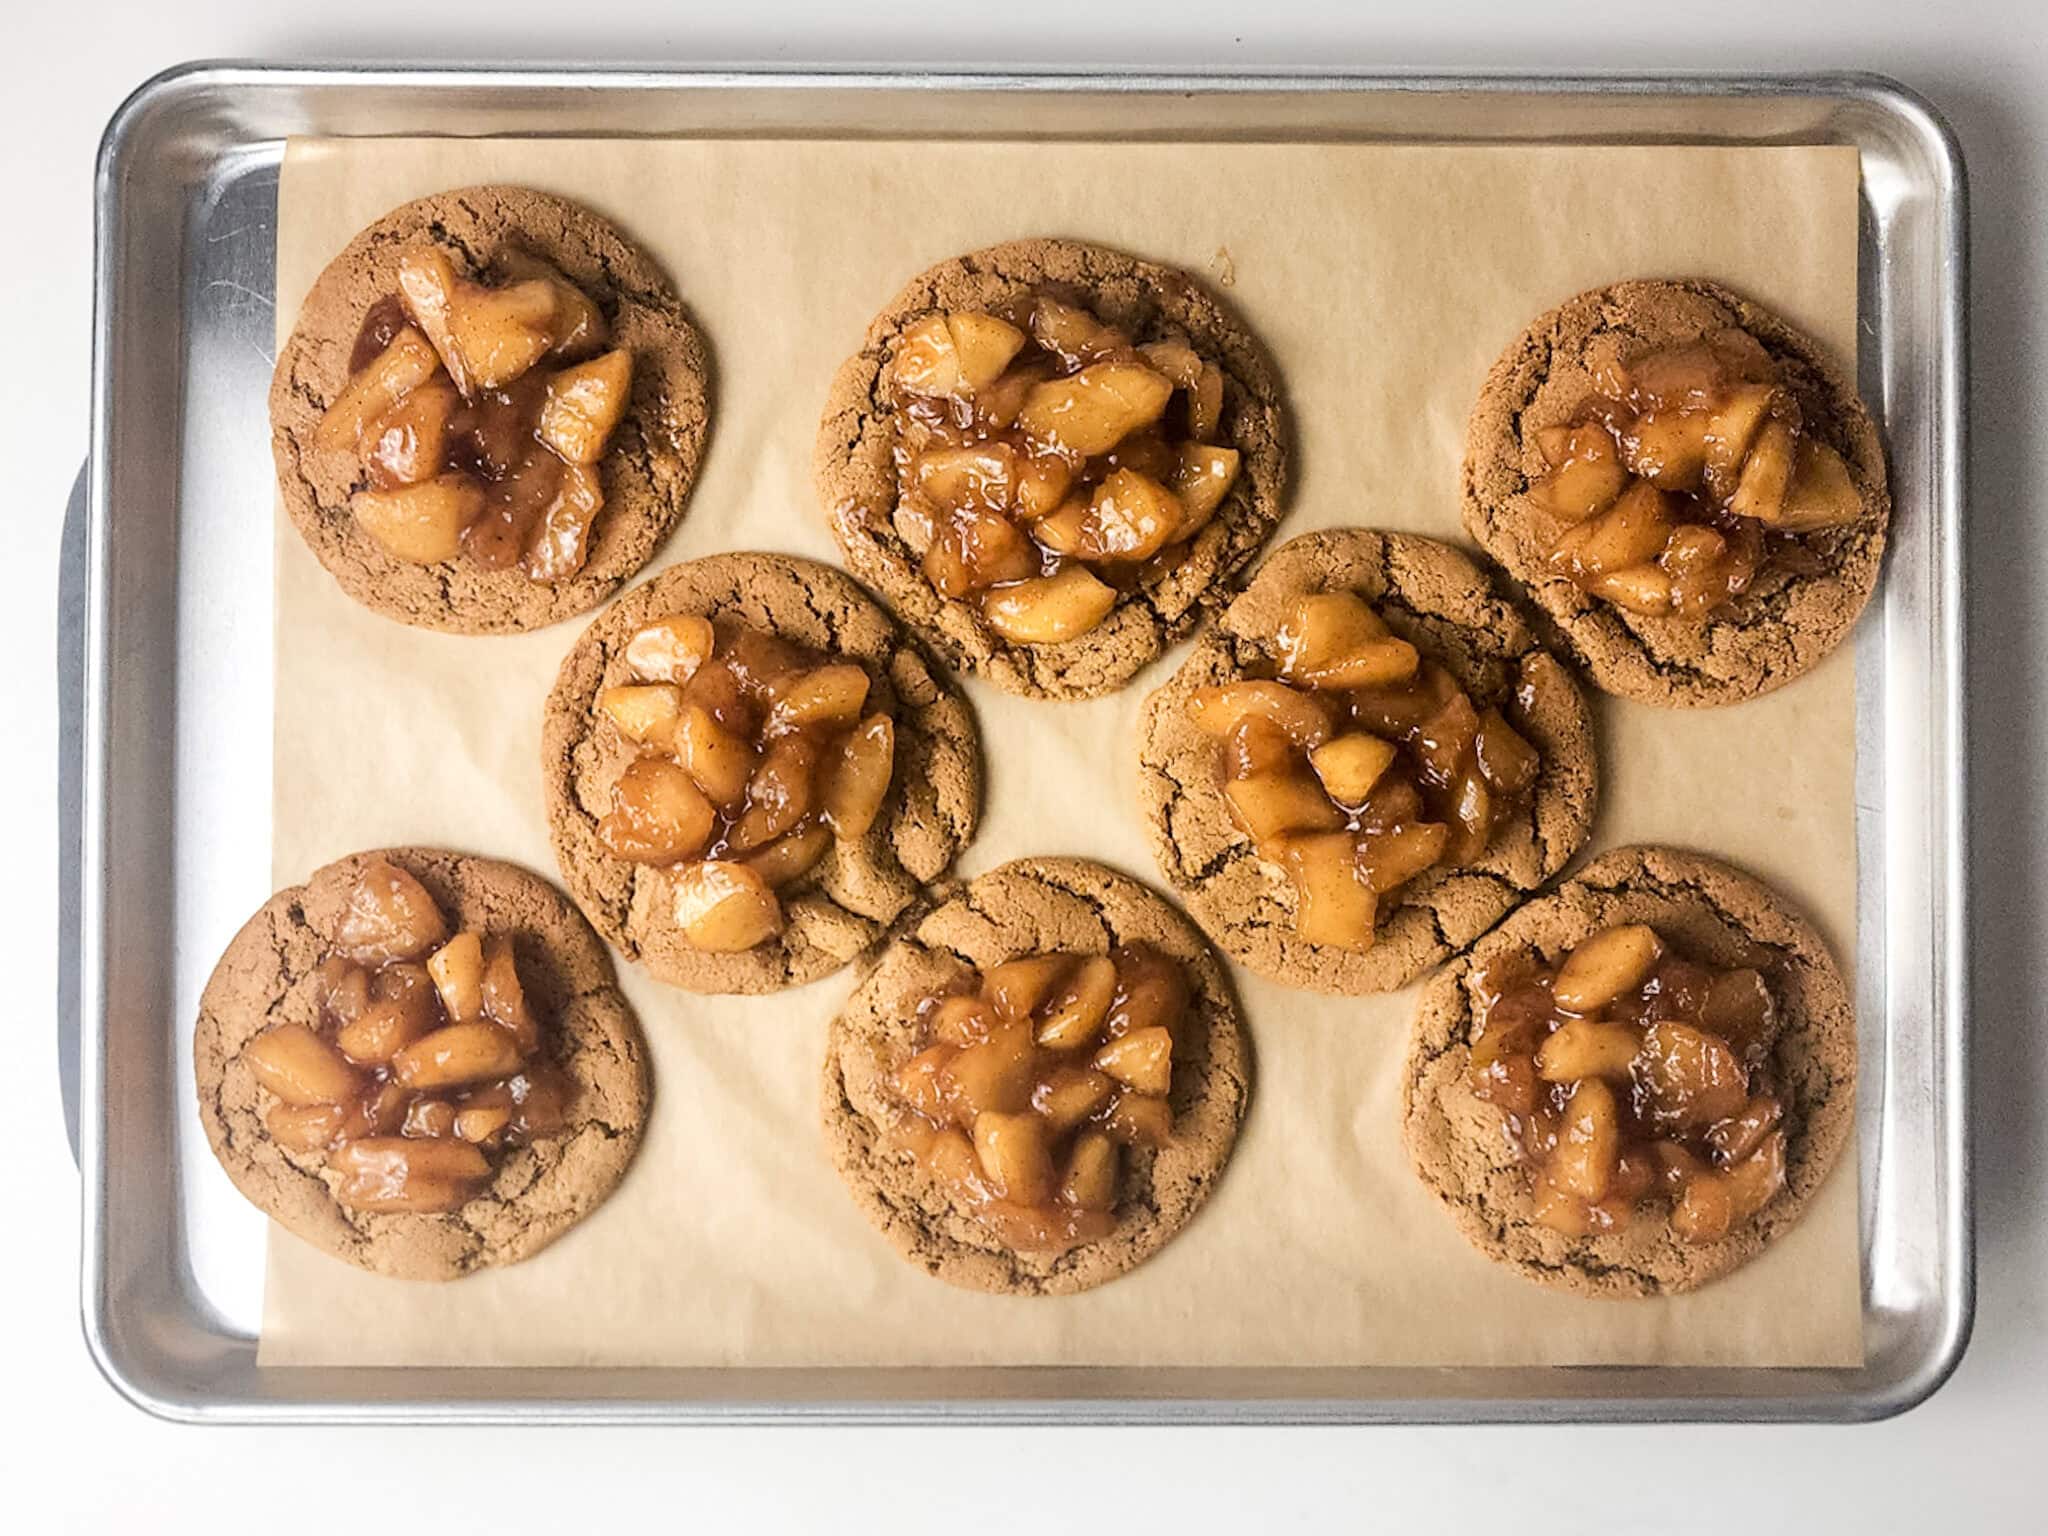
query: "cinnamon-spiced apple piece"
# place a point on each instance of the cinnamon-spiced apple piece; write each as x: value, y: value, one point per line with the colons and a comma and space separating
x: 395, y: 1037
x: 451, y: 412
x: 1688, y: 444
x: 748, y: 769
x: 1359, y: 766
x: 447, y: 435
x: 1610, y: 1056
x: 1040, y: 463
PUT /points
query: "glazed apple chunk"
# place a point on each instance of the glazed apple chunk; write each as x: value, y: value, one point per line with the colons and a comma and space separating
x: 1689, y: 469
x: 1045, y: 462
x: 1034, y: 1078
x: 476, y: 414
x: 426, y: 1062
x: 1629, y: 1075
x: 1361, y: 764
x: 749, y: 757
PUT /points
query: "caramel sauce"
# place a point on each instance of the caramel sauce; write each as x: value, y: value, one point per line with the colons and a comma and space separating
x: 382, y: 321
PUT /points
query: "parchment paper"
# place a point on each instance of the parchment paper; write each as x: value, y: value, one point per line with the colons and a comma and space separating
x: 1384, y: 280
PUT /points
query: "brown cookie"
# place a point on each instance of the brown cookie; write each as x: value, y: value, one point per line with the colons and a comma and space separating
x: 1436, y: 598
x: 647, y: 469
x: 266, y: 977
x: 857, y: 477
x: 1026, y: 907
x: 1713, y: 915
x: 845, y: 903
x: 1787, y: 620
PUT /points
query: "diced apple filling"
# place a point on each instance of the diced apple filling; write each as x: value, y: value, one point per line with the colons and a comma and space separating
x: 747, y: 759
x: 412, y: 1059
x: 1671, y: 487
x: 1361, y: 766
x: 1052, y: 463
x: 1031, y: 1079
x: 1627, y: 1073
x: 478, y: 426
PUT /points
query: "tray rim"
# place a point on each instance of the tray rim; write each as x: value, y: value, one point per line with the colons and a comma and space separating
x: 125, y: 140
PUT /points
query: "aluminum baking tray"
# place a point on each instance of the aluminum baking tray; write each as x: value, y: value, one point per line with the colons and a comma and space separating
x: 175, y: 719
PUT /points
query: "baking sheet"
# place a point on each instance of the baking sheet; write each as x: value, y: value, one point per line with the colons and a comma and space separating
x: 1384, y: 280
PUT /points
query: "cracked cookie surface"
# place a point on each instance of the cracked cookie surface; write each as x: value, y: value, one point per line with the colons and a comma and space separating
x: 647, y: 469
x: 537, y: 1192
x: 856, y: 474
x: 1026, y: 907
x: 1433, y: 596
x: 1715, y: 914
x: 844, y: 904
x: 1787, y: 621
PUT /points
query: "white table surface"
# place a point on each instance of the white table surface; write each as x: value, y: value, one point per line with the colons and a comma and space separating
x: 73, y: 1456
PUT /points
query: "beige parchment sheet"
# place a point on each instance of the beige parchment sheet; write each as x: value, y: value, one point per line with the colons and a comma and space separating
x: 1384, y: 280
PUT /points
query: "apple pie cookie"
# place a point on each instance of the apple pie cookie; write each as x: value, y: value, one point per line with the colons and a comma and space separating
x: 490, y: 411
x: 1364, y: 763
x: 1636, y: 1082
x: 1039, y: 1080
x: 750, y: 772
x: 1049, y: 458
x: 420, y: 1062
x: 1687, y: 485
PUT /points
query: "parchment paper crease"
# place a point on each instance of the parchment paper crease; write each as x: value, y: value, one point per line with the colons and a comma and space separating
x: 1384, y: 280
